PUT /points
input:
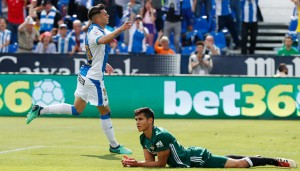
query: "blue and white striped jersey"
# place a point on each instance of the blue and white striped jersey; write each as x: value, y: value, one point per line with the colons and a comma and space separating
x: 97, y: 54
x: 82, y: 40
x: 63, y: 44
x: 47, y: 19
x: 222, y: 7
x: 4, y: 37
x: 249, y: 10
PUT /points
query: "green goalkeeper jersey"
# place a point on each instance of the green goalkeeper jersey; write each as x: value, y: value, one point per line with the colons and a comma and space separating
x: 179, y: 156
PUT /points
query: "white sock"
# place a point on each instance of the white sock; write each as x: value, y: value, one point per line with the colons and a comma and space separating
x: 109, y: 132
x: 62, y: 108
x: 248, y: 160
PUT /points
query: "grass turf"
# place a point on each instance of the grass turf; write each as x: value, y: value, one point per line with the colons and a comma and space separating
x: 79, y: 144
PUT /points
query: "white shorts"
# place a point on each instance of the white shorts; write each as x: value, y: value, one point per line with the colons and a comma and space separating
x: 92, y: 91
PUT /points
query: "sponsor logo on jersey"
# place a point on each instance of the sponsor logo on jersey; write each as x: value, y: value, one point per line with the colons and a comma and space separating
x: 159, y: 144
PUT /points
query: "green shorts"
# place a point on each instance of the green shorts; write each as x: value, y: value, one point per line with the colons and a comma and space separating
x: 216, y: 161
x: 201, y: 157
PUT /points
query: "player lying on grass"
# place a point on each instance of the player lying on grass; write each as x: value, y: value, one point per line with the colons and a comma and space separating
x: 157, y: 141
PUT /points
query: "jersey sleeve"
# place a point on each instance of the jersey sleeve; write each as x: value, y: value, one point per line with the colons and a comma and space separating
x: 94, y: 36
x: 163, y: 141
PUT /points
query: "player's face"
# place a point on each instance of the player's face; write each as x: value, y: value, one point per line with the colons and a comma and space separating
x: 165, y: 44
x: 2, y: 25
x: 77, y: 27
x: 200, y: 49
x: 104, y: 17
x: 142, y: 123
x: 63, y: 31
x: 46, y: 39
x: 288, y: 42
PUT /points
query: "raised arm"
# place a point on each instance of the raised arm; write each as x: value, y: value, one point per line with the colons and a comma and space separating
x: 296, y: 2
x: 109, y: 37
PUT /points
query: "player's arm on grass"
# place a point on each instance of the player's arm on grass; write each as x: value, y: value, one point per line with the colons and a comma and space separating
x: 109, y: 37
x: 162, y: 157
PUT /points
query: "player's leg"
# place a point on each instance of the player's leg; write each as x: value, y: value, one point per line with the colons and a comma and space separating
x: 107, y: 127
x: 216, y: 161
x: 97, y: 96
x: 236, y: 163
x: 63, y: 108
x: 262, y: 161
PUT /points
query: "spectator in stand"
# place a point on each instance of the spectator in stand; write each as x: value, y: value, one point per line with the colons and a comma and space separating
x: 164, y: 49
x: 297, y: 3
x: 173, y: 21
x: 46, y: 45
x: 249, y: 25
x: 131, y: 10
x: 38, y: 4
x: 187, y: 14
x: 209, y: 46
x: 121, y: 6
x: 159, y: 23
x: 50, y: 18
x: 111, y: 9
x: 197, y: 8
x: 15, y: 16
x: 27, y: 36
x: 5, y: 36
x: 114, y: 47
x: 199, y: 63
x: 34, y: 14
x: 62, y: 40
x: 225, y: 19
x: 283, y: 70
x: 235, y: 6
x: 149, y: 18
x: 137, y: 36
x: 189, y: 38
x: 287, y: 49
x: 78, y: 37
x: 79, y: 8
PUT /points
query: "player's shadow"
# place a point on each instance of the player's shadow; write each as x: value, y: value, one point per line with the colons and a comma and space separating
x: 105, y: 157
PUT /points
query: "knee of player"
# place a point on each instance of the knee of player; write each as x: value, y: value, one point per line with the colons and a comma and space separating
x: 236, y: 163
x: 242, y: 164
x: 75, y: 111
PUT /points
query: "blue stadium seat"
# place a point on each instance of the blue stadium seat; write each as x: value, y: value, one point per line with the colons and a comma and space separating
x: 220, y: 39
x: 12, y: 48
x: 122, y: 47
x: 150, y: 50
x: 172, y: 46
x: 202, y: 25
x: 187, y: 50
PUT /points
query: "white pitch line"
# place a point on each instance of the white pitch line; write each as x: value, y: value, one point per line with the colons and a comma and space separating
x: 20, y: 149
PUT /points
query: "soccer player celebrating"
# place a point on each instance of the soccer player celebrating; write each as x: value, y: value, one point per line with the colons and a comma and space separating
x: 159, y: 142
x: 90, y: 83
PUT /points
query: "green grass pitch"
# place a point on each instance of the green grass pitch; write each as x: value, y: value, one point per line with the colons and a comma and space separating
x: 79, y: 144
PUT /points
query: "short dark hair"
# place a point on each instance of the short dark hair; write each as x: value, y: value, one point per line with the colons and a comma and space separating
x: 148, y: 113
x: 95, y: 10
x: 199, y: 43
x: 288, y: 37
x: 282, y: 67
x: 45, y: 2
